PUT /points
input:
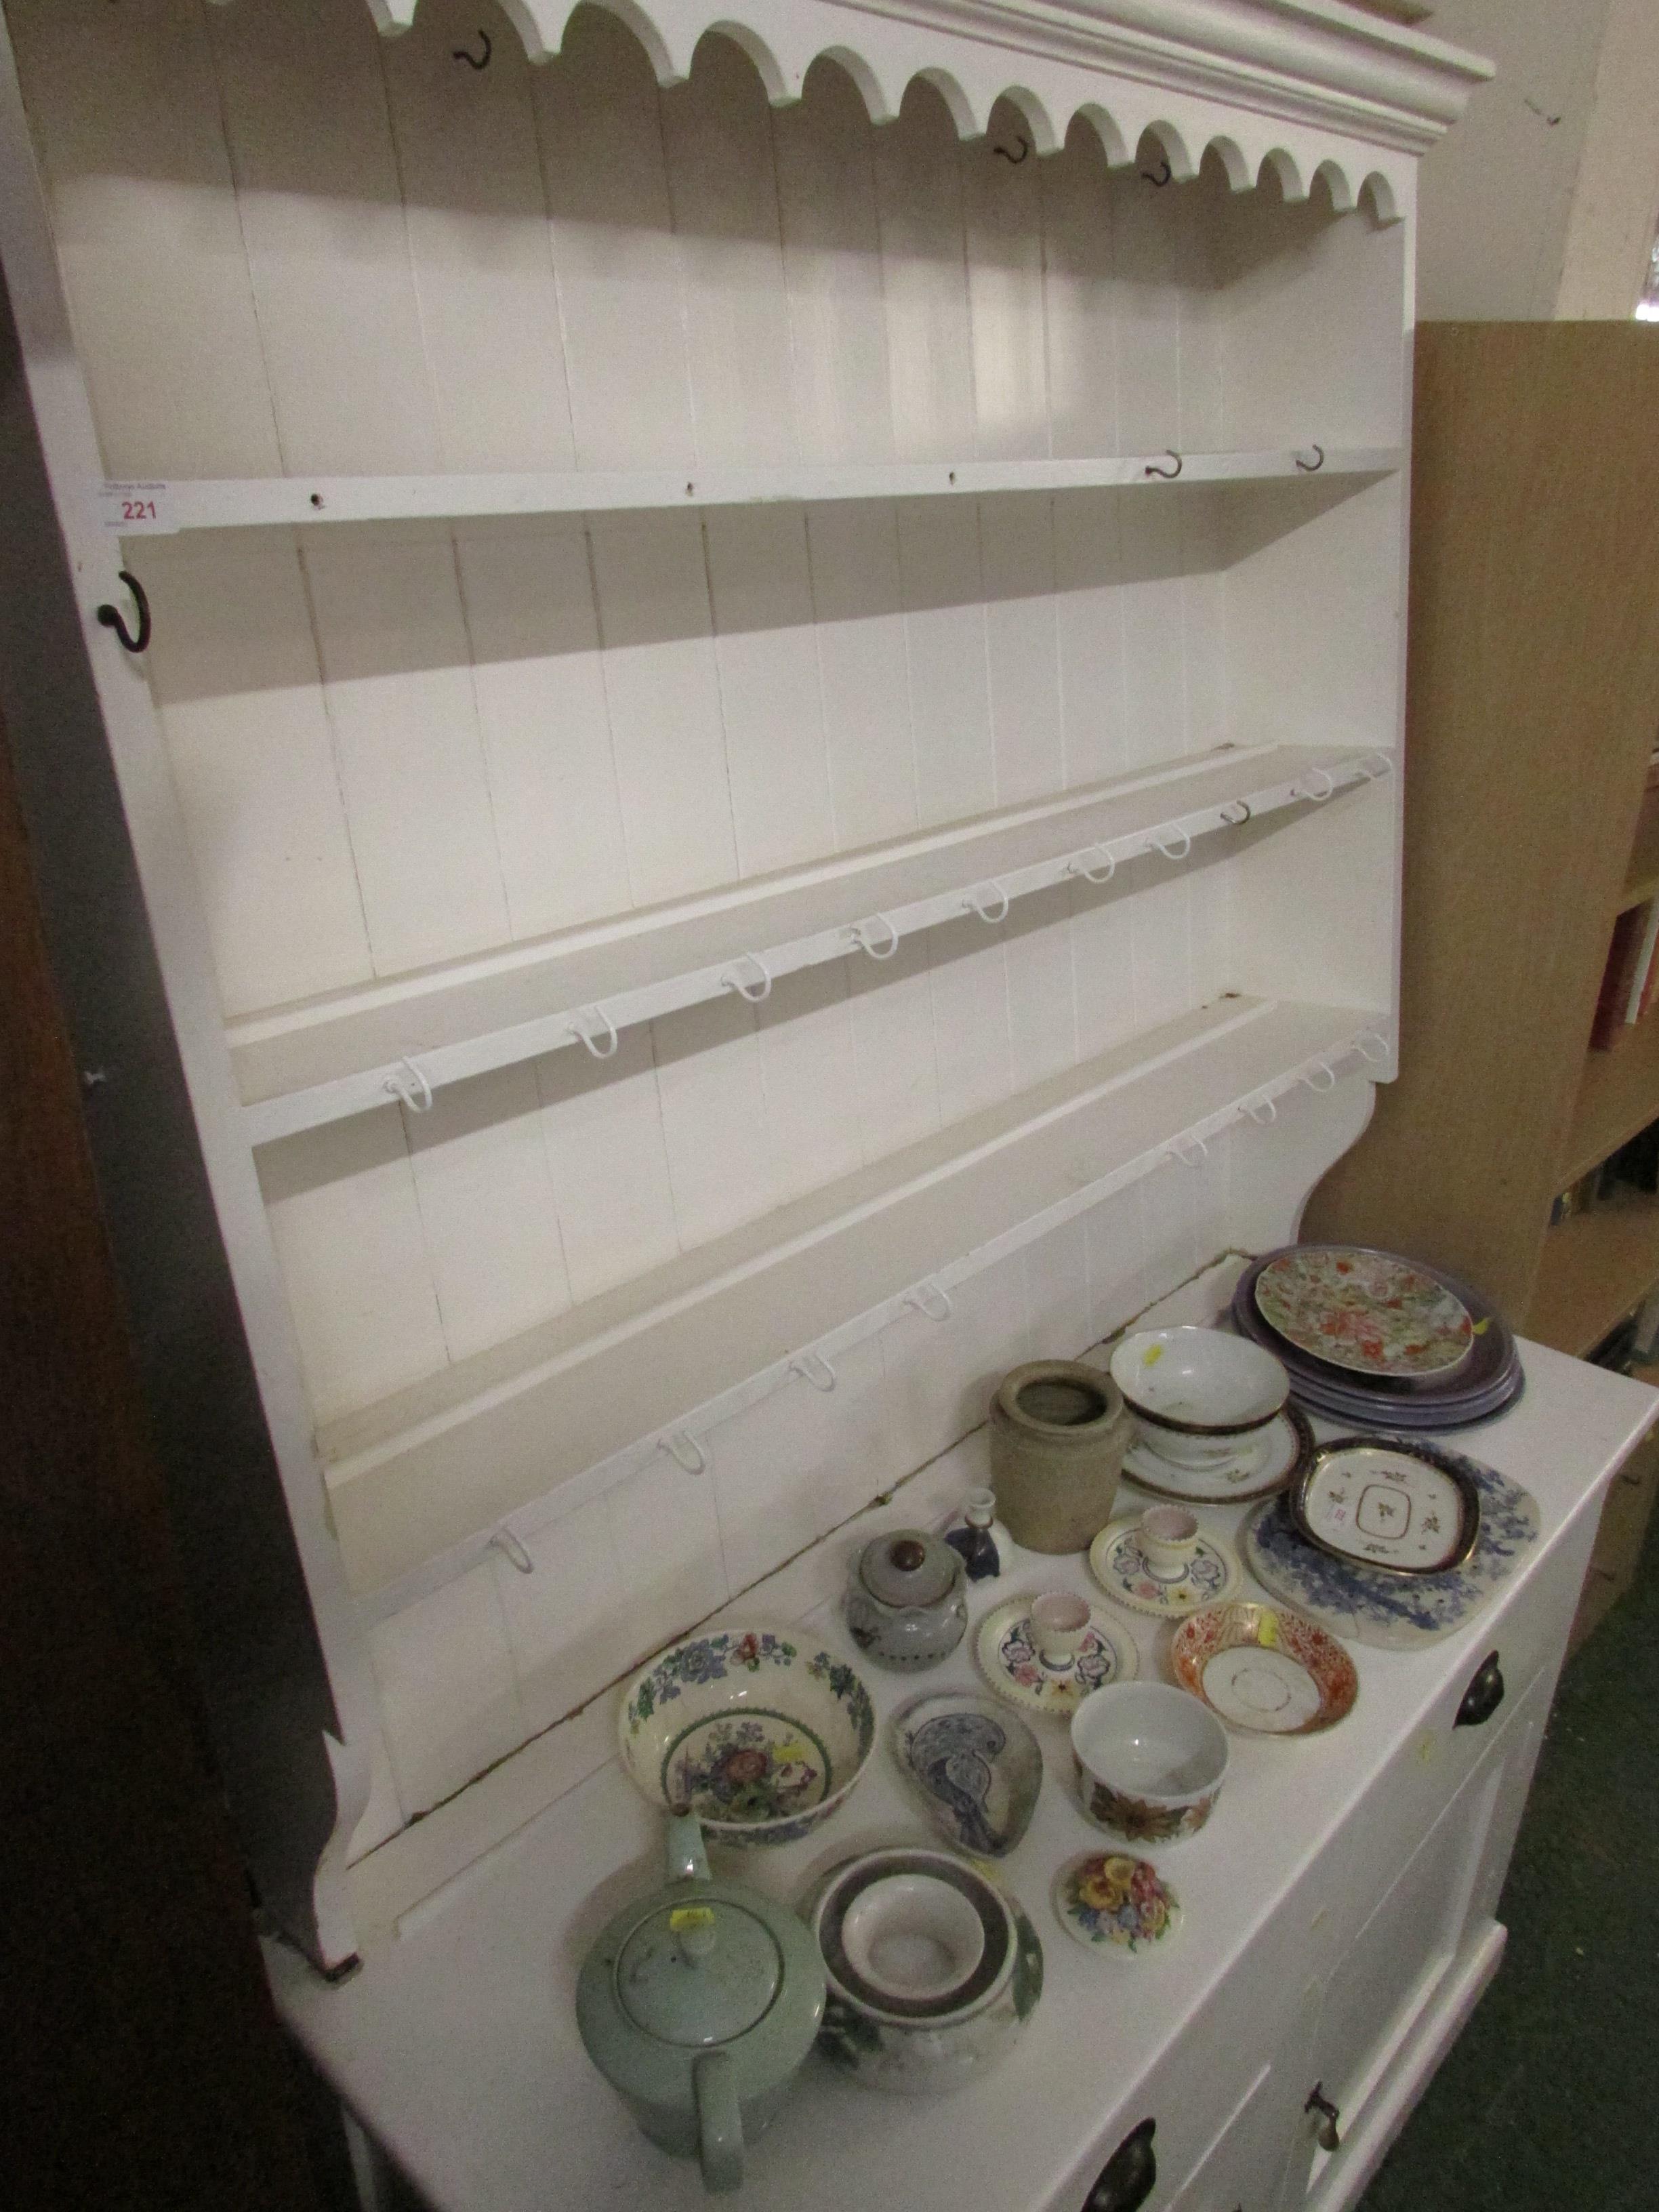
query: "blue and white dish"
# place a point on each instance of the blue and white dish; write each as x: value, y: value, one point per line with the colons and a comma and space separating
x: 1392, y: 1611
x: 976, y: 1768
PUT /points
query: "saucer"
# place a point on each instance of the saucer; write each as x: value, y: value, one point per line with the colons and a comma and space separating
x: 1264, y: 1670
x: 1272, y: 1459
x: 1115, y: 1560
x: 1111, y: 1901
x: 1008, y: 1658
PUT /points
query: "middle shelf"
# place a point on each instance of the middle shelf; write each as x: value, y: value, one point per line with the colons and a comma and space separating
x: 300, y: 1066
x: 429, y: 1467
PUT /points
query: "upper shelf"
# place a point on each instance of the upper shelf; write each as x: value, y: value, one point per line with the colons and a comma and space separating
x: 161, y: 509
x: 322, y: 1060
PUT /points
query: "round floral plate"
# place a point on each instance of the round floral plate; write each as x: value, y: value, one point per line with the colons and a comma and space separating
x: 1393, y: 1612
x: 1273, y: 1459
x: 760, y: 1736
x: 1008, y: 1658
x: 1367, y: 1312
x: 1268, y: 1672
x: 1117, y: 1564
x: 1109, y: 1901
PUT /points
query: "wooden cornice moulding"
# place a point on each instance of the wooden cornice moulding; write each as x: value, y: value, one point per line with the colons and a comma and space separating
x: 1186, y: 71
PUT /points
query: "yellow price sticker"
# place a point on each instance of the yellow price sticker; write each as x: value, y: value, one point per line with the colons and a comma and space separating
x: 1152, y: 1354
x: 691, y: 1916
x: 1268, y: 1631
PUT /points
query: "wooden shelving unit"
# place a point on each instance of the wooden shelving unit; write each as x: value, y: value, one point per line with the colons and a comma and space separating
x: 1594, y: 1268
x: 1642, y: 873
x: 1618, y: 1096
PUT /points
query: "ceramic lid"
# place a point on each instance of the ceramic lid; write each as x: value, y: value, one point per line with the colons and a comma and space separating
x: 698, y: 1972
x: 908, y: 1567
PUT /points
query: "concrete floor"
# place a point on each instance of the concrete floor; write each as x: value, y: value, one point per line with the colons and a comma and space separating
x: 1550, y: 2099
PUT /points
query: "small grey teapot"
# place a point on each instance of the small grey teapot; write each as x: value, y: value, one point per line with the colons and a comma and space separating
x: 907, y: 1604
x: 698, y: 2003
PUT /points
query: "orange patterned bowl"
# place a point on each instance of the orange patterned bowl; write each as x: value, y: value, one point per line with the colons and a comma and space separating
x: 1264, y: 1670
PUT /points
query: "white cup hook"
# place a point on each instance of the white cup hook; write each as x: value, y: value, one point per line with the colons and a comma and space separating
x: 1372, y: 1046
x: 1079, y: 866
x: 505, y: 1540
x: 731, y: 981
x: 596, y: 1015
x: 1263, y: 1111
x: 984, y: 907
x: 813, y: 1368
x: 683, y: 1449
x: 1305, y: 788
x: 1236, y: 813
x: 407, y: 1082
x: 1320, y: 1067
x: 859, y: 933
x: 1191, y: 1152
x: 1175, y: 844
x: 1375, y: 765
x: 930, y: 1298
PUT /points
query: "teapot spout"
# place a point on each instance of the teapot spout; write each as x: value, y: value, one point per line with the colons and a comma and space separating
x: 687, y: 1860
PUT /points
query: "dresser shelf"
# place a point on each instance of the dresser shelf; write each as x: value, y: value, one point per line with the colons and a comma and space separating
x: 301, y: 1066
x: 428, y: 1467
x: 163, y: 508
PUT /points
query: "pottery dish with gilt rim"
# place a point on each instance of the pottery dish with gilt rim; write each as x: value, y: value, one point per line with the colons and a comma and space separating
x: 757, y: 1731
x: 1266, y: 1461
x: 1398, y: 1506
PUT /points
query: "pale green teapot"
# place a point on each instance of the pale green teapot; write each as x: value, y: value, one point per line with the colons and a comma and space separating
x: 698, y: 2003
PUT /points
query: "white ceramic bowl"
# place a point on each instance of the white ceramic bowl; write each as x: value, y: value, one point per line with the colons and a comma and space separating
x: 934, y: 1969
x: 1198, y: 1395
x: 759, y: 1735
x: 1150, y: 1760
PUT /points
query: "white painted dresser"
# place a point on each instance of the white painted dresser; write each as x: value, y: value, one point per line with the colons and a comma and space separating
x: 1340, y: 1925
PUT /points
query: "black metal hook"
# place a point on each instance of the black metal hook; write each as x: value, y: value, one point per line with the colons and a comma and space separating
x: 111, y: 616
x: 1168, y: 474
x: 1160, y: 181
x: 1024, y: 145
x: 1311, y: 468
x: 460, y: 53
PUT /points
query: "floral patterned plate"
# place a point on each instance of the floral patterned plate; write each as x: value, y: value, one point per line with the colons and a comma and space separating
x: 1109, y: 1901
x: 1367, y: 1312
x: 1116, y: 1564
x: 1268, y: 1672
x: 760, y: 1736
x: 1008, y: 1659
x: 1396, y: 1613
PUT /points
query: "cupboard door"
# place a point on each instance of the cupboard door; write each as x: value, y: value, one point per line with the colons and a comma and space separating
x: 1244, y: 2169
x: 1391, y: 1976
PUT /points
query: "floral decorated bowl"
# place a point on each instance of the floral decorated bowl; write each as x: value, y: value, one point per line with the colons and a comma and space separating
x: 1150, y: 1760
x: 758, y: 1735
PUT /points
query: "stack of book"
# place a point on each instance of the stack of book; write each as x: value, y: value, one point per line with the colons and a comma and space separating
x: 1629, y: 977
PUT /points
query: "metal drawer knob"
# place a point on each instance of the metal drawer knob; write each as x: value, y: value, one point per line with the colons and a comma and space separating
x: 1129, y: 2175
x: 1483, y: 1695
x: 1325, y: 2125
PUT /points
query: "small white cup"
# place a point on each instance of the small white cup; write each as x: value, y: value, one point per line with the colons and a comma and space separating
x: 1058, y: 1623
x: 1169, y: 1538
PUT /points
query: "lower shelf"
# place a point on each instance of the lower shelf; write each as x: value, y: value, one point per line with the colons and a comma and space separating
x: 1618, y: 1096
x: 1594, y: 1268
x: 432, y: 1466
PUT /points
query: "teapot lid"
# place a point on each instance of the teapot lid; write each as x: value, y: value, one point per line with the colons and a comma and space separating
x: 908, y: 1567
x: 697, y: 1972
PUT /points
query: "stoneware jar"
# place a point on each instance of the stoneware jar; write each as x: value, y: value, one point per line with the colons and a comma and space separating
x: 1058, y: 1432
x: 907, y: 1604
x: 698, y: 2004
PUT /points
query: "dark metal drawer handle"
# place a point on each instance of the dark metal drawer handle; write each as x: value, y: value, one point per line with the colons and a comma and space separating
x: 1325, y: 2133
x: 1129, y: 2175
x: 1483, y: 1695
